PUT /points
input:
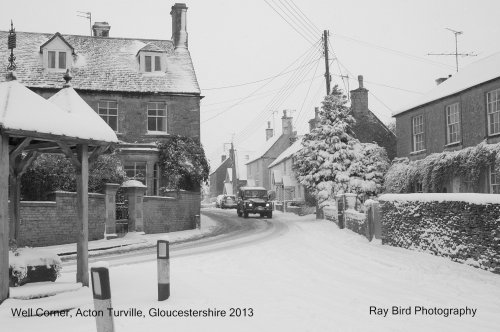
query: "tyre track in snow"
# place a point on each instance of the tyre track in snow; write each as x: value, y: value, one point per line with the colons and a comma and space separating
x: 231, y: 232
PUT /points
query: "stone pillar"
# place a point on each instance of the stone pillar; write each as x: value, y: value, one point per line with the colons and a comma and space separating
x: 135, y: 191
x: 110, y: 190
x: 350, y: 201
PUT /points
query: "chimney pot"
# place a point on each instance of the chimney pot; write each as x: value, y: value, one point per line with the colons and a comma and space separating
x: 360, y: 81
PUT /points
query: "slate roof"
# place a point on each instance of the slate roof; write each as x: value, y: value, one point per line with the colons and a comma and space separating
x: 294, y: 148
x: 101, y: 64
x: 481, y: 71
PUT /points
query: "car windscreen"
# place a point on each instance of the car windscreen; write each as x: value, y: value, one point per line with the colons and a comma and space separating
x: 255, y: 194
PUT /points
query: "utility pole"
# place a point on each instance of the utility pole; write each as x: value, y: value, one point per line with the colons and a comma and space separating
x: 235, y: 180
x: 456, y: 54
x: 327, y: 65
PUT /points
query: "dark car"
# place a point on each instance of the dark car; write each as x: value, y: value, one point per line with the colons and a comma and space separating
x: 228, y: 202
x: 254, y: 200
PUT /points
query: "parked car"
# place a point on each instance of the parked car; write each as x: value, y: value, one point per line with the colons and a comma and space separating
x: 228, y: 202
x: 254, y: 200
x: 218, y: 201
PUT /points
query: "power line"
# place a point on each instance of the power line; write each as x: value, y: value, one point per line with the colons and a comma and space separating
x: 253, y: 82
x: 256, y: 90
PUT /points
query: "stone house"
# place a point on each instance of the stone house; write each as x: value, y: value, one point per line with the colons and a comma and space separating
x: 221, y: 177
x: 462, y: 111
x: 368, y: 127
x: 145, y: 89
x: 258, y: 173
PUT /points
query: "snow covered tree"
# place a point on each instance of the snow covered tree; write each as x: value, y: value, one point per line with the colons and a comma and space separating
x: 332, y: 161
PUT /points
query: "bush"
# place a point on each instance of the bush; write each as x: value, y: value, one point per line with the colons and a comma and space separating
x: 32, y: 265
x: 51, y: 172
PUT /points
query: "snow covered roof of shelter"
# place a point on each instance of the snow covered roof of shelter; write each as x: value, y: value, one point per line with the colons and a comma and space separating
x: 23, y: 110
x: 103, y: 64
x: 68, y: 100
x: 476, y: 73
x: 295, y: 147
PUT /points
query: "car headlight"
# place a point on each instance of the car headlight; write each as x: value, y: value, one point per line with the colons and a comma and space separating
x: 249, y: 204
x: 267, y: 204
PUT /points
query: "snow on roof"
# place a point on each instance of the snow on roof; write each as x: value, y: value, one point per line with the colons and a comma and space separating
x: 23, y: 109
x: 294, y: 148
x: 443, y: 197
x: 96, y: 128
x: 133, y: 184
x: 262, y: 151
x: 476, y: 73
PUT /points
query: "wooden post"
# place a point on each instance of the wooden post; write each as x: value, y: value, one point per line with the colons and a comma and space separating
x: 4, y: 216
x: 82, y: 197
x: 14, y: 197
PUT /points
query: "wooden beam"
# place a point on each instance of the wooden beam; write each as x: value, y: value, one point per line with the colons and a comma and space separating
x: 26, y: 162
x: 41, y: 146
x: 4, y: 216
x: 82, y: 182
x: 71, y: 156
x: 19, y: 148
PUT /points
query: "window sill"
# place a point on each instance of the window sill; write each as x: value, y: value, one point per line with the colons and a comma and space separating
x: 493, y: 135
x: 414, y: 153
x: 157, y: 133
x: 453, y: 145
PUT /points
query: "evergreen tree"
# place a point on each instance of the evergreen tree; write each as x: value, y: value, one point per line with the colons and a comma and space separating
x: 332, y: 161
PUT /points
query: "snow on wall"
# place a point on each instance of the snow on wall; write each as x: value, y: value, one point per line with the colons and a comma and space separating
x: 466, y: 231
x: 444, y: 197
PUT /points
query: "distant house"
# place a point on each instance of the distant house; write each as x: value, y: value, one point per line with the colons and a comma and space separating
x: 217, y: 176
x: 368, y: 127
x: 283, y: 178
x: 146, y: 90
x: 258, y: 173
x: 221, y: 177
x: 460, y: 112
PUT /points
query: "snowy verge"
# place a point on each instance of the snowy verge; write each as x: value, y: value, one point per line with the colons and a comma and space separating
x: 443, y: 197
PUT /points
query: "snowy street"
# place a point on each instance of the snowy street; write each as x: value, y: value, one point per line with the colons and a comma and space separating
x: 289, y: 274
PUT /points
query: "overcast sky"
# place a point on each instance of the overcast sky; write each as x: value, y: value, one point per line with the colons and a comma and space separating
x: 234, y: 42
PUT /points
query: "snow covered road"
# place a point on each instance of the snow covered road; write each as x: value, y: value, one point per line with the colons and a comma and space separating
x: 298, y: 275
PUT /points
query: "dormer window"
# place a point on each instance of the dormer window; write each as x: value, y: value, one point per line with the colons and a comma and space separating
x: 152, y: 59
x: 151, y: 65
x: 56, y: 53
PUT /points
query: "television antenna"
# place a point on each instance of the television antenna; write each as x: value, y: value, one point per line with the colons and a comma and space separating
x: 88, y: 16
x: 456, y: 54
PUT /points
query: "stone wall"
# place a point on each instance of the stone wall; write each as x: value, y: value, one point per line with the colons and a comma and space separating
x: 463, y: 228
x: 173, y: 213
x: 54, y: 222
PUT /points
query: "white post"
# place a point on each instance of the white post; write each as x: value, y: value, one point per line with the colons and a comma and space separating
x: 163, y: 262
x: 102, y: 299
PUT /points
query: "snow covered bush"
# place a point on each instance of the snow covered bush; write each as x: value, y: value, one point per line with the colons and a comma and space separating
x: 51, y: 172
x: 32, y: 265
x: 183, y: 163
x: 331, y: 161
x: 463, y: 227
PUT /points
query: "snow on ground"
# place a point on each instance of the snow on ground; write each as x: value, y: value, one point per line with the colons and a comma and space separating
x: 308, y: 276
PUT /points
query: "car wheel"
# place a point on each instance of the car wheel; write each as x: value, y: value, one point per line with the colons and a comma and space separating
x: 238, y: 212
x: 245, y: 214
x: 270, y: 215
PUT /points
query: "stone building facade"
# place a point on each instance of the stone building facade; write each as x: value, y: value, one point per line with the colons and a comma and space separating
x: 145, y: 89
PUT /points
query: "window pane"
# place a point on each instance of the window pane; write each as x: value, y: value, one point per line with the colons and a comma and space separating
x: 152, y: 124
x: 62, y: 60
x: 112, y: 122
x: 147, y: 63
x: 52, y: 59
x: 157, y: 63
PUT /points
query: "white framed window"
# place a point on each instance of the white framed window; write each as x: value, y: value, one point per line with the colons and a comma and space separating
x: 108, y: 110
x: 152, y: 63
x: 157, y: 117
x: 156, y: 179
x: 493, y: 107
x: 494, y: 181
x: 56, y: 60
x: 453, y: 123
x: 136, y: 171
x: 418, y: 133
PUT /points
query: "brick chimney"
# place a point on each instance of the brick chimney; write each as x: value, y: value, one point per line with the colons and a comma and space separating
x: 101, y: 29
x: 286, y: 122
x: 269, y: 131
x: 359, y: 99
x: 179, y: 25
x: 315, y: 120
